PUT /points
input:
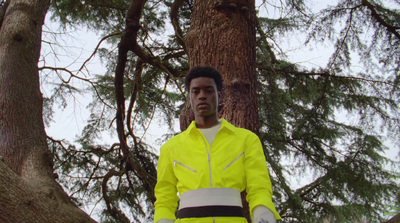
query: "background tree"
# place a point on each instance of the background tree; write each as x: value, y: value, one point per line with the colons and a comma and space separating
x: 343, y: 172
x: 222, y: 35
x: 298, y: 123
x: 28, y: 190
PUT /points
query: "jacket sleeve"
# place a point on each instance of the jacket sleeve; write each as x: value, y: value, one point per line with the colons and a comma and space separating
x: 165, y: 190
x: 259, y: 188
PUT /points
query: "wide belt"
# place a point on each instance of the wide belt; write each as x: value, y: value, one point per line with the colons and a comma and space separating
x: 210, y: 202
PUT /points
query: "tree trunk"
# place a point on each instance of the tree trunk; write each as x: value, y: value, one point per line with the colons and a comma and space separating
x: 28, y: 191
x: 395, y: 219
x: 222, y: 35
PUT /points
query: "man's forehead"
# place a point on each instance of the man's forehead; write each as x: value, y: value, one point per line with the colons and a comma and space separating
x: 202, y: 86
x: 203, y: 82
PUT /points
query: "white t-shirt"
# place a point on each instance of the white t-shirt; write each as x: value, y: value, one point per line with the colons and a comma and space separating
x: 210, y: 133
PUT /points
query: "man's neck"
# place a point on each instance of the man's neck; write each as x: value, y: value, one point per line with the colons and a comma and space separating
x: 206, y: 122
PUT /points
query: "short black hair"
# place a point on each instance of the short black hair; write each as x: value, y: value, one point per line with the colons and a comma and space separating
x: 204, y: 71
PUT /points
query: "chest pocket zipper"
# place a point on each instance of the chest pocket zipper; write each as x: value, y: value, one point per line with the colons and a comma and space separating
x: 233, y: 161
x: 183, y: 165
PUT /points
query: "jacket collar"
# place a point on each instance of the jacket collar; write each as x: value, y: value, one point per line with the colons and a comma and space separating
x: 225, y: 125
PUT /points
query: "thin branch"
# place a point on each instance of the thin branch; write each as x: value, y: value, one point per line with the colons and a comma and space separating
x: 310, y: 156
x: 327, y: 74
x: 154, y: 109
x: 380, y: 20
x: 296, y: 6
x: 72, y: 75
x: 175, y: 22
x: 97, y: 48
x: 268, y: 47
x: 340, y: 47
x: 113, y: 211
x: 135, y: 92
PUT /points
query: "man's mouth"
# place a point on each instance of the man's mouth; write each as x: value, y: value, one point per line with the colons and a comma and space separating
x: 202, y: 105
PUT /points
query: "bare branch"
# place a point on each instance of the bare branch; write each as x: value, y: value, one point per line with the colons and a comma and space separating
x: 115, y: 212
x: 129, y: 43
x: 72, y: 75
x: 97, y: 48
x: 136, y: 89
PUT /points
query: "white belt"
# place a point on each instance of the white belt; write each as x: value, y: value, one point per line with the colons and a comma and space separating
x: 210, y: 197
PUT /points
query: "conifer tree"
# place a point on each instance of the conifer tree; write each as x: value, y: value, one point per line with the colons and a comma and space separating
x: 298, y: 123
x: 28, y: 190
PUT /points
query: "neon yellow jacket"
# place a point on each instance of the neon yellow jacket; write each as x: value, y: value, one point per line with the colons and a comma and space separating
x: 235, y: 160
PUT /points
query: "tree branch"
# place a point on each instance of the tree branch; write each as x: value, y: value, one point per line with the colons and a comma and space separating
x: 118, y: 215
x: 129, y: 43
x: 72, y: 75
x: 154, y: 108
x: 136, y: 90
x: 175, y: 23
x: 380, y: 20
x: 97, y: 48
x: 342, y: 43
x: 327, y: 74
x: 271, y: 53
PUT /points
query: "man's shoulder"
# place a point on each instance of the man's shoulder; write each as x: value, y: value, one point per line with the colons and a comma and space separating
x: 174, y: 140
x: 238, y: 130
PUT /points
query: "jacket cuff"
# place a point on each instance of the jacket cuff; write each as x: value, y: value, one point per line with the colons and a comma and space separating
x: 164, y: 214
x: 267, y: 204
x: 165, y: 221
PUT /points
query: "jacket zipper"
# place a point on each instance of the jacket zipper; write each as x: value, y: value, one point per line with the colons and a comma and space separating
x: 233, y: 161
x: 208, y: 157
x: 187, y: 167
x: 209, y: 160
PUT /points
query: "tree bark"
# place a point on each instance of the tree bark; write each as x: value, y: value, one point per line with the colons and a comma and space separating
x: 22, y: 134
x: 22, y: 200
x: 395, y: 219
x: 28, y: 190
x: 223, y: 35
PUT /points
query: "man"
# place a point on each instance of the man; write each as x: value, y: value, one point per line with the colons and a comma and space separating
x: 210, y: 163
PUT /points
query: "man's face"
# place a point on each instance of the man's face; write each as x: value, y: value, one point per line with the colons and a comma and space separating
x: 203, y: 96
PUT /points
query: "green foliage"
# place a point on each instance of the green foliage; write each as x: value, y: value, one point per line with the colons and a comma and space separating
x: 325, y: 131
x: 298, y: 122
x: 98, y: 15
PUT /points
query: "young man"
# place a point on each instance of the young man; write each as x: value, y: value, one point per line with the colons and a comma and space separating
x: 210, y: 163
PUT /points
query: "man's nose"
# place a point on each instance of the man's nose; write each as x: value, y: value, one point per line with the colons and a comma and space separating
x: 202, y: 95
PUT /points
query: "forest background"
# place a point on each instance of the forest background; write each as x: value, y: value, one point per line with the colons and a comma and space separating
x: 328, y: 95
